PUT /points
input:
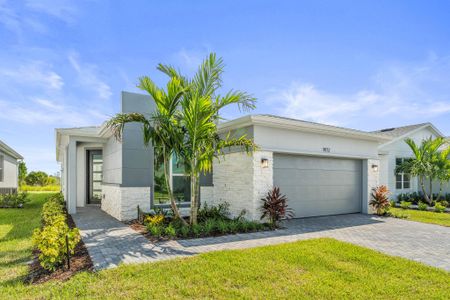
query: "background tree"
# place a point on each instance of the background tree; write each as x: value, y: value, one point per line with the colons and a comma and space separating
x: 22, y: 172
x: 200, y: 107
x: 37, y: 178
x: 162, y: 128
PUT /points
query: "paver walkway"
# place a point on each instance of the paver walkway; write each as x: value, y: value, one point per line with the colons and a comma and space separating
x: 110, y: 242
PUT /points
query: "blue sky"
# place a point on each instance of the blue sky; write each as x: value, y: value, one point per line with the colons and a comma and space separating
x: 360, y: 64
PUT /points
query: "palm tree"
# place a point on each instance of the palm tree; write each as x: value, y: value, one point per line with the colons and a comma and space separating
x: 200, y: 109
x: 161, y: 128
x: 442, y: 163
x: 423, y: 164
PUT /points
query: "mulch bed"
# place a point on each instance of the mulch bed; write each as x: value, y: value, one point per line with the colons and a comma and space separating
x: 80, y: 261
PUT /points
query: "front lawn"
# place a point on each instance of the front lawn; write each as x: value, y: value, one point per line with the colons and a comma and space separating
x: 16, y: 227
x: 422, y: 216
x: 320, y: 268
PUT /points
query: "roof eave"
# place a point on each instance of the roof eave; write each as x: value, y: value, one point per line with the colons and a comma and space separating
x: 299, y: 126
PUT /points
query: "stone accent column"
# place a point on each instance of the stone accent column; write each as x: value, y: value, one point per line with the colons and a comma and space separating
x: 241, y: 180
x: 371, y: 175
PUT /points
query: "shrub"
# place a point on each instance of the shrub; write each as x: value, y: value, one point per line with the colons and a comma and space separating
x: 50, y: 240
x: 233, y: 226
x: 444, y: 203
x: 13, y: 200
x: 392, y: 203
x: 52, y: 212
x: 184, y: 231
x: 275, y: 207
x: 222, y: 226
x: 155, y: 220
x: 155, y: 230
x: 422, y: 206
x: 209, y: 226
x: 439, y: 208
x: 197, y: 229
x: 405, y: 204
x: 170, y: 231
x: 380, y: 199
x: 221, y: 211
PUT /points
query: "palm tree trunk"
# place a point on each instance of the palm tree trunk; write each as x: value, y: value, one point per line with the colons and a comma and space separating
x: 440, y: 191
x: 431, y: 190
x: 173, y: 204
x: 194, y: 197
x: 422, y: 185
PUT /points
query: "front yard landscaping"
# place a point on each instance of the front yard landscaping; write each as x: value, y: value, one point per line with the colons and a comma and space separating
x: 421, y: 216
x: 321, y: 268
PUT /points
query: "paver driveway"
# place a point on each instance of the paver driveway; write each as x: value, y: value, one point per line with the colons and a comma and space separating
x: 110, y: 242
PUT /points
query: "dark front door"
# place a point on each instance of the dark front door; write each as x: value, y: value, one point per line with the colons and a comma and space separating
x: 94, y: 176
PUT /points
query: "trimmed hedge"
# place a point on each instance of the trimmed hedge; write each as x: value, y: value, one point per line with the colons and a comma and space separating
x: 50, y: 240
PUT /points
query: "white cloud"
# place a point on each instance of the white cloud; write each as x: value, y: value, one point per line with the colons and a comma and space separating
x: 48, y: 104
x: 407, y: 92
x: 35, y: 73
x: 64, y: 10
x: 88, y: 77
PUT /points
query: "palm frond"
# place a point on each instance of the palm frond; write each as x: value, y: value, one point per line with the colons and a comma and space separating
x: 118, y: 122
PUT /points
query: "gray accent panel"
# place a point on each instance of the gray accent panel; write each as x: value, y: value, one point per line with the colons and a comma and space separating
x: 137, y: 159
x: 317, y: 186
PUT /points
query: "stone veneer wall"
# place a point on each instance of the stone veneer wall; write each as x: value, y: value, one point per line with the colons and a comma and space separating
x: 122, y: 202
x: 240, y: 180
x: 371, y: 180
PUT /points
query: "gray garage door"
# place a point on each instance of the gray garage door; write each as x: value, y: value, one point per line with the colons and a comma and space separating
x: 317, y: 186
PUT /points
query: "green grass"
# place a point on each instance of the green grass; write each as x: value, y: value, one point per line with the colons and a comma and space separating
x: 422, y: 216
x: 320, y: 268
x: 16, y: 227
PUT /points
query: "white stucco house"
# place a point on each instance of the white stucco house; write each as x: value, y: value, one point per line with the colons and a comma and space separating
x: 9, y: 172
x: 322, y: 169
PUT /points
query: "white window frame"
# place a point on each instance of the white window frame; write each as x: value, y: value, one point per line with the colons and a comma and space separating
x: 402, y: 175
x: 185, y: 203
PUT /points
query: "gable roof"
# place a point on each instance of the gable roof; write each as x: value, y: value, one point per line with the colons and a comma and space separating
x: 399, y: 131
x: 10, y: 151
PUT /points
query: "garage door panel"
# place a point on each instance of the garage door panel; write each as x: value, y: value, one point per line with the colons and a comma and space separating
x: 315, y: 163
x: 318, y: 186
x: 318, y: 177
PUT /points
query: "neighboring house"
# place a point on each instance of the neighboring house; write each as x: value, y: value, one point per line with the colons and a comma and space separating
x: 322, y: 169
x: 9, y: 171
x: 395, y: 151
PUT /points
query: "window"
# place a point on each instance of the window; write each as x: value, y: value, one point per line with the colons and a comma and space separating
x: 402, y: 180
x: 179, y: 181
x: 2, y: 158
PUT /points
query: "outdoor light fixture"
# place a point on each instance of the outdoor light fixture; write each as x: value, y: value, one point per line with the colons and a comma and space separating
x: 264, y: 162
x: 375, y: 168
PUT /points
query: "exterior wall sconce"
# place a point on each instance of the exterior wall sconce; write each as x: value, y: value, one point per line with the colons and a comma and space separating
x: 375, y: 168
x: 264, y: 163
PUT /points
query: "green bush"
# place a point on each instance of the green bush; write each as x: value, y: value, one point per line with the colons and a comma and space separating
x: 444, y: 203
x: 405, y: 204
x: 170, y: 231
x: 439, y: 208
x: 184, y: 231
x: 219, y: 212
x: 13, y: 200
x: 392, y: 203
x: 222, y: 226
x: 197, y: 230
x: 422, y: 206
x: 209, y: 226
x: 155, y: 230
x: 50, y: 240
